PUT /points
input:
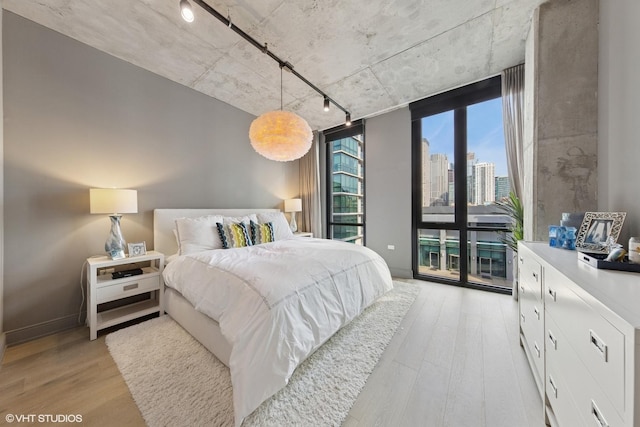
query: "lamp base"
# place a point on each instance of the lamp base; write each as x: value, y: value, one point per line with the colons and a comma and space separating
x: 115, y: 242
x: 292, y: 224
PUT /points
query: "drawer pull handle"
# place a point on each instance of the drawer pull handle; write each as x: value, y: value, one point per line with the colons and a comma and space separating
x: 537, y: 312
x: 553, y: 340
x: 521, y: 260
x: 553, y: 387
x: 522, y: 316
x: 536, y: 348
x: 597, y: 415
x: 130, y: 287
x: 600, y: 346
x: 535, y: 275
x: 552, y: 293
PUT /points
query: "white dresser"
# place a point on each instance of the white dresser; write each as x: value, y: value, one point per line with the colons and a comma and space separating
x: 580, y: 329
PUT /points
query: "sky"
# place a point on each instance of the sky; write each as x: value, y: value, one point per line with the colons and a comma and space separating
x: 485, y: 134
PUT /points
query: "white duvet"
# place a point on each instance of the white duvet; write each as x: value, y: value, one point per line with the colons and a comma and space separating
x: 278, y: 302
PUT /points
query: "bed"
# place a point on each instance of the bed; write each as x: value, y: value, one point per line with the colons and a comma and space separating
x: 263, y: 309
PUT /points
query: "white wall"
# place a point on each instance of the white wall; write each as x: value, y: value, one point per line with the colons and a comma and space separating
x: 619, y: 112
x: 388, y: 188
x: 76, y: 118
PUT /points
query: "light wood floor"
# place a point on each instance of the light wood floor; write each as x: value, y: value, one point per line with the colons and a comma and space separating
x: 455, y: 361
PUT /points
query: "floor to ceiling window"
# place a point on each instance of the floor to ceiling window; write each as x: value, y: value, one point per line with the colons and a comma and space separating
x: 345, y: 183
x: 459, y: 171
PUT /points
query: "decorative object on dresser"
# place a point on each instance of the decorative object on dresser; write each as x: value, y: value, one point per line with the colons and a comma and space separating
x: 110, y: 280
x: 598, y: 230
x: 579, y: 328
x: 114, y: 202
x: 293, y: 206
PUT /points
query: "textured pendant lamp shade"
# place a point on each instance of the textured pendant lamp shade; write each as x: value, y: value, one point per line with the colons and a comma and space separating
x: 280, y: 135
x: 114, y: 202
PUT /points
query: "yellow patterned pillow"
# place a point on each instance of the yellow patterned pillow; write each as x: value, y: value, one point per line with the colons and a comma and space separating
x: 234, y: 235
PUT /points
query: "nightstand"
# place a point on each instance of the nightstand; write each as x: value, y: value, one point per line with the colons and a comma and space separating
x: 303, y: 234
x: 102, y: 288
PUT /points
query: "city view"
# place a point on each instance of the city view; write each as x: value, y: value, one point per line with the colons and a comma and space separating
x: 487, y: 181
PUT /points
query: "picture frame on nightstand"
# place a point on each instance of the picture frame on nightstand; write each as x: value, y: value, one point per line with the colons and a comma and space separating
x: 137, y: 249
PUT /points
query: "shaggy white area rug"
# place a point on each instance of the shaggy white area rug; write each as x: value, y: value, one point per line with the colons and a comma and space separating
x: 175, y: 381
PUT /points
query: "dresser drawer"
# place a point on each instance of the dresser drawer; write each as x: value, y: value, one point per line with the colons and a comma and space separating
x: 532, y: 325
x: 564, y: 408
x: 127, y: 288
x: 591, y: 402
x: 599, y: 344
x: 530, y: 275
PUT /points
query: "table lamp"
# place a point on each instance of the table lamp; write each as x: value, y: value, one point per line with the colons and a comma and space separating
x: 114, y: 202
x: 293, y: 206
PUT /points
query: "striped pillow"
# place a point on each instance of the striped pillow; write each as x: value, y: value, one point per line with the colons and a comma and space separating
x: 234, y: 235
x: 262, y: 233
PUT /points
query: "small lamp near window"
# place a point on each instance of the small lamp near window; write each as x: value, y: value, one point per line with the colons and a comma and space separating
x: 114, y: 202
x: 293, y: 206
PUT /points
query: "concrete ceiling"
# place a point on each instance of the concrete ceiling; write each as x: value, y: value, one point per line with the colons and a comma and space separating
x: 369, y: 55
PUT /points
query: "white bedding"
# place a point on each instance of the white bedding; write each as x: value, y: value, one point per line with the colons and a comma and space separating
x: 278, y: 302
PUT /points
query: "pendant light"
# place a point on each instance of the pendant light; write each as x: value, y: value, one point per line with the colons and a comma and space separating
x: 280, y: 135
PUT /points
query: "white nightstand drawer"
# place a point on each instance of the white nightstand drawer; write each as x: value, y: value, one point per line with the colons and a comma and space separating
x: 127, y: 288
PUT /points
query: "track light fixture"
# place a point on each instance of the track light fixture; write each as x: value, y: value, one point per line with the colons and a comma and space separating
x: 186, y: 11
x: 347, y: 120
x: 187, y: 15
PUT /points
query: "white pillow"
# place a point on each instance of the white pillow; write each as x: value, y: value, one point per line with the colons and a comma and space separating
x: 198, y: 234
x: 281, y: 229
x: 246, y: 220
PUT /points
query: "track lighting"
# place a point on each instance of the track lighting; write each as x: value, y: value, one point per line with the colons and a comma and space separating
x: 187, y: 15
x: 186, y: 11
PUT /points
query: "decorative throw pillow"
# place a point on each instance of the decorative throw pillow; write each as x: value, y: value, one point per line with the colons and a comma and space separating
x: 234, y: 235
x: 281, y: 229
x: 261, y: 233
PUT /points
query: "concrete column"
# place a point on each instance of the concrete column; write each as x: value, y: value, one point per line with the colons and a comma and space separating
x: 561, y: 114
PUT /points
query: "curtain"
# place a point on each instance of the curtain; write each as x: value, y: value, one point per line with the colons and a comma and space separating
x: 513, y: 113
x: 310, y: 190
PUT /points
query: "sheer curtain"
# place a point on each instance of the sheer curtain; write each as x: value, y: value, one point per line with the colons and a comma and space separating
x: 513, y: 114
x: 310, y: 190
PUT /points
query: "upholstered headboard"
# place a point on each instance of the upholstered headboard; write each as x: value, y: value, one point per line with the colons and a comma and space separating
x: 164, y: 223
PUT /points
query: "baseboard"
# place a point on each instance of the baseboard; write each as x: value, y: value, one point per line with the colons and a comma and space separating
x: 401, y: 273
x: 3, y: 345
x: 38, y: 330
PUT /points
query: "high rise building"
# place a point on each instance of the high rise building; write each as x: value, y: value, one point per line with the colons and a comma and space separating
x: 484, y: 183
x: 348, y: 188
x: 471, y: 162
x: 439, y: 180
x: 503, y: 187
x: 426, y: 174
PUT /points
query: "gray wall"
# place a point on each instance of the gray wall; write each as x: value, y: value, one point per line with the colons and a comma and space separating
x: 388, y: 188
x: 77, y: 118
x: 561, y: 119
x: 2, y: 334
x: 619, y: 110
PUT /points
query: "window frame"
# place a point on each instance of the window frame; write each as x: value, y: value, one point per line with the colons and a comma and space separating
x: 331, y: 135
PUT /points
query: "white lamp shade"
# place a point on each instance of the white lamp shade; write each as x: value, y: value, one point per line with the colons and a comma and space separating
x: 293, y: 205
x: 112, y: 200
